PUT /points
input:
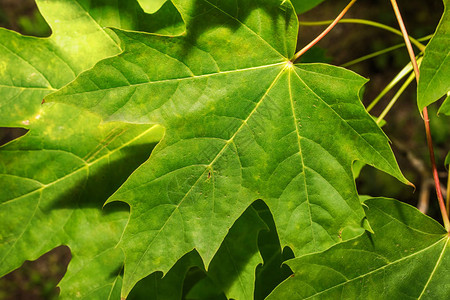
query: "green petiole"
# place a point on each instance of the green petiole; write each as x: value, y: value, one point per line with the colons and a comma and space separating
x: 381, y: 52
x: 396, y: 96
x: 418, y: 44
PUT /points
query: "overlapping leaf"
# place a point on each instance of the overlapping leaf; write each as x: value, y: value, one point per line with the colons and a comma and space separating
x: 169, y: 287
x: 31, y: 68
x: 231, y: 272
x: 435, y: 69
x: 406, y: 258
x: 233, y: 268
x: 53, y: 183
x: 272, y: 272
x: 242, y: 123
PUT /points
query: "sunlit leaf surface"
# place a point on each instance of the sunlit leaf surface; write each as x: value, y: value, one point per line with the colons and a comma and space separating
x: 242, y: 123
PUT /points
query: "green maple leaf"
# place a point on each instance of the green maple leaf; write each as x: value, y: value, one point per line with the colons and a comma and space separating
x: 232, y: 270
x: 406, y: 258
x: 232, y: 273
x: 243, y: 124
x: 31, y: 68
x: 435, y: 68
x: 53, y: 182
x: 95, y: 269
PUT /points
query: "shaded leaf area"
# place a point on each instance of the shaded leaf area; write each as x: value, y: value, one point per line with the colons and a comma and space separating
x: 169, y: 287
x: 53, y: 183
x: 236, y: 271
x: 302, y: 6
x: 205, y: 289
x: 242, y: 124
x: 435, y: 69
x: 239, y: 270
x: 232, y: 269
x: 406, y: 258
x: 31, y: 67
x: 272, y: 272
x: 248, y: 265
x: 231, y: 272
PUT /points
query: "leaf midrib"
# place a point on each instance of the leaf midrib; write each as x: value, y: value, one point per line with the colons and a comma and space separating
x: 302, y: 160
x: 87, y: 165
x: 181, y: 78
x: 244, y: 122
x: 434, y: 269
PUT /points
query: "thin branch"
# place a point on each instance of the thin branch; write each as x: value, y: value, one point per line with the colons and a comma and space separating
x: 425, y: 117
x: 395, y: 98
x: 412, y: 56
x: 402, y: 74
x: 381, y: 52
x: 324, y: 33
x: 417, y: 43
x: 372, y: 55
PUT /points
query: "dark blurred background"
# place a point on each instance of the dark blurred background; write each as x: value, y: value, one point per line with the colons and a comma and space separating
x: 38, y: 279
x: 404, y: 125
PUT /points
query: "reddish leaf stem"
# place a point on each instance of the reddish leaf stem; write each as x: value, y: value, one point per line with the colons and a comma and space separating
x: 434, y: 170
x: 425, y: 118
x: 324, y: 33
x: 412, y: 56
